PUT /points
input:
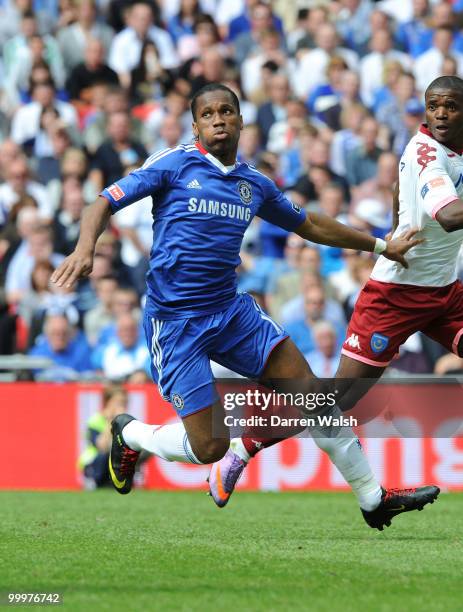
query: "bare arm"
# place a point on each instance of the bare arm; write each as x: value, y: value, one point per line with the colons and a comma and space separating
x: 80, y: 263
x: 451, y: 216
x: 395, y: 208
x: 325, y: 230
x: 395, y: 211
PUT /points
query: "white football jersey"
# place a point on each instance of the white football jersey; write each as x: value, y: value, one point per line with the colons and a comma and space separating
x: 431, y: 176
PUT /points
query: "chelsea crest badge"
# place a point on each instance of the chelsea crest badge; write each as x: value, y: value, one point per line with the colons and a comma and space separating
x: 245, y: 191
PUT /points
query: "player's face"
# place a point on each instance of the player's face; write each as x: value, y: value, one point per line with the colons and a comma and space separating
x: 444, y: 116
x: 218, y: 125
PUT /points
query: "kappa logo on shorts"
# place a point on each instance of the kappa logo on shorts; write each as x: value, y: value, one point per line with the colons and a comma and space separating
x: 378, y: 343
x: 116, y: 192
x: 245, y: 191
x: 177, y: 401
x: 353, y: 341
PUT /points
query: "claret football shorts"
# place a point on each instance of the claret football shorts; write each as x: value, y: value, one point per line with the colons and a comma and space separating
x: 386, y: 314
x: 240, y: 338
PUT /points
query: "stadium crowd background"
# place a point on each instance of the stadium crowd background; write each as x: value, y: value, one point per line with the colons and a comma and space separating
x: 330, y: 93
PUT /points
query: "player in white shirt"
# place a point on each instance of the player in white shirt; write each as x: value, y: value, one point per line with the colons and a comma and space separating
x: 397, y: 302
x: 426, y: 296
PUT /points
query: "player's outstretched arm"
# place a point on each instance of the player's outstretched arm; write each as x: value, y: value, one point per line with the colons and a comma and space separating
x: 325, y: 230
x: 395, y: 212
x: 80, y: 262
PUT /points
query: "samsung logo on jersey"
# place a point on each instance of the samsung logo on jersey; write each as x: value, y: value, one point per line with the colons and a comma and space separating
x: 221, y: 209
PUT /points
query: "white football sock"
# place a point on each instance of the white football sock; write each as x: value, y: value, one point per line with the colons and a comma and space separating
x: 344, y: 449
x: 170, y: 442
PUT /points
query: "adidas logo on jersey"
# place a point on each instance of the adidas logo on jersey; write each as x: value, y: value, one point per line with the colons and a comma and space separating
x: 194, y: 184
x: 353, y: 341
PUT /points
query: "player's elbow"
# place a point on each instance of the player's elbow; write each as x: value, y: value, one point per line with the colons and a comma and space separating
x: 308, y: 228
x: 449, y: 217
x: 450, y: 225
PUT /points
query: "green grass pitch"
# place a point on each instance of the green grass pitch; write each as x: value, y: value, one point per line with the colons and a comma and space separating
x: 264, y: 552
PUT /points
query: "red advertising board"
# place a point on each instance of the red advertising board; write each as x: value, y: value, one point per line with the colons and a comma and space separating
x: 44, y: 425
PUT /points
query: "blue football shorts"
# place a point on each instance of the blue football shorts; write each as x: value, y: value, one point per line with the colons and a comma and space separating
x: 240, y: 338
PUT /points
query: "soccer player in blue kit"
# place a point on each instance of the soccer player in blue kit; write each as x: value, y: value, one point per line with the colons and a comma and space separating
x: 203, y: 201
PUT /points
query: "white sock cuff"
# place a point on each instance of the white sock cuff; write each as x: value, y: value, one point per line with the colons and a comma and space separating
x: 170, y: 442
x: 189, y: 451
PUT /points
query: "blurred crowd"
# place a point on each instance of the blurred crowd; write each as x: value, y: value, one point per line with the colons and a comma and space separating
x: 331, y: 92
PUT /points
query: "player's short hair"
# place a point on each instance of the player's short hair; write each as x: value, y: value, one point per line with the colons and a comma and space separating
x: 213, y: 87
x: 446, y: 82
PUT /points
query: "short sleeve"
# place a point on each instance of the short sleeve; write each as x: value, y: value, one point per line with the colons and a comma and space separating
x: 276, y: 208
x: 435, y: 188
x: 154, y: 176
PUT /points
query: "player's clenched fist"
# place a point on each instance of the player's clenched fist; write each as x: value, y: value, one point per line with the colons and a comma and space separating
x: 77, y: 265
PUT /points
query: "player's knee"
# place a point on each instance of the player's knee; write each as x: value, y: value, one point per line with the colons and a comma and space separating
x: 212, y: 450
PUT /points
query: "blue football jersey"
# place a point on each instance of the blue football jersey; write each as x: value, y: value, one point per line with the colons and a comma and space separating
x: 201, y: 210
